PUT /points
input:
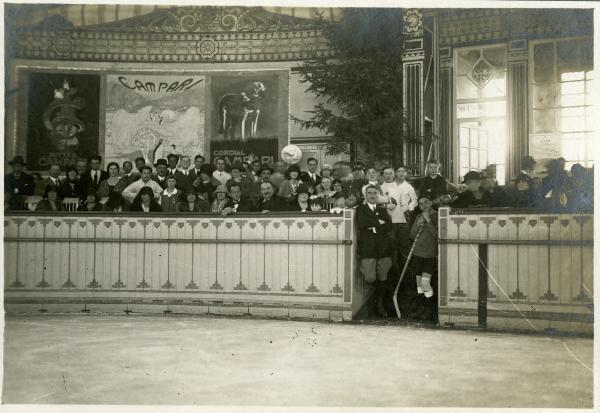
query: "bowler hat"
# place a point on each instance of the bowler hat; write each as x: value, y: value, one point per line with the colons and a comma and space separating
x: 161, y: 162
x: 17, y: 159
x: 472, y: 176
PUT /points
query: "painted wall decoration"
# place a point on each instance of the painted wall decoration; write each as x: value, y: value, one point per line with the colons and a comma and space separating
x: 250, y: 113
x: 154, y: 115
x: 62, y: 118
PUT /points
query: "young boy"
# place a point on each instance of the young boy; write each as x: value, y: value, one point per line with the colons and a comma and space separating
x: 425, y: 246
x: 340, y: 203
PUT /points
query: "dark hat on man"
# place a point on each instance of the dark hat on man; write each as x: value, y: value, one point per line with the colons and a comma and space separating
x: 172, y: 155
x: 357, y: 167
x: 472, y: 176
x: 17, y: 159
x: 206, y: 168
x: 265, y: 167
x: 161, y: 162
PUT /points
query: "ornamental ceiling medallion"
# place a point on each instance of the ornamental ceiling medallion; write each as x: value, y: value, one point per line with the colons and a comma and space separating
x: 482, y: 72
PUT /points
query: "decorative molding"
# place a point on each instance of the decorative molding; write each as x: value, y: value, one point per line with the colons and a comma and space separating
x: 179, y: 34
x: 413, y: 23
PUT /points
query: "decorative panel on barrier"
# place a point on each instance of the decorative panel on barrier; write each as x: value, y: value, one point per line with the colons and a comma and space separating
x: 538, y: 269
x: 290, y: 261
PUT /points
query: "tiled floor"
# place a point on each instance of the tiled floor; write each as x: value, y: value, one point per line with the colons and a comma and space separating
x: 226, y: 361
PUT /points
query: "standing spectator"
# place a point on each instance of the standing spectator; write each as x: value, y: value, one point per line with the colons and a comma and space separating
x: 182, y: 175
x: 115, y: 203
x: 473, y: 197
x: 170, y: 197
x: 326, y: 192
x: 236, y: 202
x: 371, y: 181
x: 172, y: 161
x: 83, y: 167
x: 132, y: 191
x: 71, y: 187
x: 280, y: 167
x: 111, y: 183
x: 51, y: 201
x: 199, y: 160
x: 288, y: 188
x: 220, y: 174
x: 220, y: 200
x: 256, y: 167
x: 311, y: 175
x: 269, y: 202
x: 139, y: 163
x: 52, y: 180
x: 351, y: 200
x: 400, y: 200
x: 246, y: 184
x: 206, y: 185
x: 528, y: 169
x: 581, y: 195
x: 160, y: 177
x: 374, y: 247
x: 91, y: 180
x: 18, y: 184
x: 36, y: 178
x: 434, y: 184
x: 193, y: 203
x: 144, y: 201
x: 91, y: 203
x: 127, y: 177
x: 555, y: 186
x: 327, y: 171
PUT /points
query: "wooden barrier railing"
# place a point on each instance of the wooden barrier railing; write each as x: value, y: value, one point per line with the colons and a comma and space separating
x: 516, y: 269
x: 290, y: 265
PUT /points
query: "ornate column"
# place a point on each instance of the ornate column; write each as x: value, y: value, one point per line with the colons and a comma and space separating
x: 413, y: 59
x: 518, y: 108
x: 446, y: 113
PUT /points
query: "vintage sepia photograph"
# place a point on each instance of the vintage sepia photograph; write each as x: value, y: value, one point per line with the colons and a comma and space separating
x: 269, y: 206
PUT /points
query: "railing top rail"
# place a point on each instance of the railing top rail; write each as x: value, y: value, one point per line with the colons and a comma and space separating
x: 174, y: 215
x: 513, y: 211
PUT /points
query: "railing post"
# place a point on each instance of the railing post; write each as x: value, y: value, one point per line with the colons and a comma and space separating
x: 483, y: 286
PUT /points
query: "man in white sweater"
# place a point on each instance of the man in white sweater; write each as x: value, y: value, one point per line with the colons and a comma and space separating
x: 132, y: 190
x: 401, y: 198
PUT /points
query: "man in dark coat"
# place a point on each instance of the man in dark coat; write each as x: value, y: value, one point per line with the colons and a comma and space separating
x: 236, y: 202
x: 18, y: 184
x: 269, y: 202
x: 311, y: 177
x: 374, y: 245
x: 160, y: 177
x: 90, y: 181
x: 52, y: 181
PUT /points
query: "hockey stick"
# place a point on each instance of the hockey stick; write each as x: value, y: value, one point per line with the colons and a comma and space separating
x: 412, y: 248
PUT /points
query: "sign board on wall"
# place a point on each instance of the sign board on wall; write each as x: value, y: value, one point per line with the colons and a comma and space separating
x: 544, y: 145
x: 62, y: 118
x: 263, y: 149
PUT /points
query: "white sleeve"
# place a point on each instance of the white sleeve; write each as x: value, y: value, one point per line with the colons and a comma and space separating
x: 414, y: 201
x: 130, y: 192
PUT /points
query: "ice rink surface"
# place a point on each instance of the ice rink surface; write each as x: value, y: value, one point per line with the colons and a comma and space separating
x: 226, y: 361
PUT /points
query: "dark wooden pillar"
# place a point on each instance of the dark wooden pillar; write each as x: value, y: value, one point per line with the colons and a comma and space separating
x: 518, y: 106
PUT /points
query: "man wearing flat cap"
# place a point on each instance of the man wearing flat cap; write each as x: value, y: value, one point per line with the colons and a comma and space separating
x: 18, y: 184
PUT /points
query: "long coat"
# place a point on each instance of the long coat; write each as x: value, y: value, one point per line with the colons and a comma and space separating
x: 373, y: 244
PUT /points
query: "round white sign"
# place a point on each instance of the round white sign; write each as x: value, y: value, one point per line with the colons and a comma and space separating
x: 291, y: 154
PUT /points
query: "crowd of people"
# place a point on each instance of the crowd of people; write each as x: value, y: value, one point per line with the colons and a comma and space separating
x: 390, y: 211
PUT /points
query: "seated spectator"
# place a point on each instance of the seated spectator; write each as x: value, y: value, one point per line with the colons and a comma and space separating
x: 494, y: 195
x: 288, y: 188
x: 325, y: 190
x: 472, y: 197
x: 317, y: 204
x: 170, y: 197
x: 51, y: 201
x: 337, y: 186
x: 109, y: 184
x: 243, y: 182
x: 236, y: 201
x: 193, y: 203
x: 340, y: 203
x: 220, y: 199
x: 52, y: 180
x: 71, y: 187
x: 351, y: 200
x: 255, y: 170
x: 555, y: 187
x: 145, y: 181
x: 301, y: 203
x: 115, y: 203
x: 205, y: 185
x: 183, y: 175
x: 581, y: 195
x: 264, y: 175
x: 528, y: 169
x: 268, y: 201
x: 91, y: 203
x: 145, y: 201
x: 522, y: 194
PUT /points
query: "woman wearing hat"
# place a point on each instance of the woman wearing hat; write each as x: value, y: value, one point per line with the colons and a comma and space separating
x: 289, y: 186
x: 91, y: 203
x: 473, y: 197
x: 301, y: 203
x: 51, y: 201
x: 220, y: 199
x: 71, y: 187
x: 205, y: 185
